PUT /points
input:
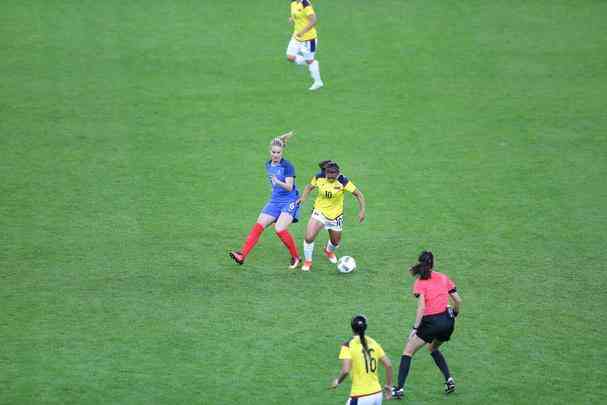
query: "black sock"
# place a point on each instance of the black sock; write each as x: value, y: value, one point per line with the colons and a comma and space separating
x: 441, y: 363
x: 403, y: 370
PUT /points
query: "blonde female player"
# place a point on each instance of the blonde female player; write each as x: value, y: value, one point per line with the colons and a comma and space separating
x: 281, y: 209
x: 328, y: 209
x: 302, y: 46
x: 360, y: 355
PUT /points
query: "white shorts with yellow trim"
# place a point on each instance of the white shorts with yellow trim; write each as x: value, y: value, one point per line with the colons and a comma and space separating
x: 329, y: 224
x: 307, y: 49
x: 373, y: 399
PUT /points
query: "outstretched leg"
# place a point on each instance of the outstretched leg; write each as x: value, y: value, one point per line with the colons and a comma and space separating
x: 263, y: 221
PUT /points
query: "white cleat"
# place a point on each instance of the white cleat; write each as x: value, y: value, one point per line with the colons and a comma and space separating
x: 316, y: 85
x: 331, y: 256
x: 307, y: 265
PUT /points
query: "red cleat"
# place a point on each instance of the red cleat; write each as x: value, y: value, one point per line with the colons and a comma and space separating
x: 238, y: 257
x: 294, y: 262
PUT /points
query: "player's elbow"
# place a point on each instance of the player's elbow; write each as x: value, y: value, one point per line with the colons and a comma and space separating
x: 387, y: 363
x: 456, y: 298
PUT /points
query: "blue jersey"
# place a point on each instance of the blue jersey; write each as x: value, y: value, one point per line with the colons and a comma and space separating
x: 281, y: 170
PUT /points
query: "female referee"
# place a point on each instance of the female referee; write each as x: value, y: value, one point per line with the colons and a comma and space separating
x: 282, y: 208
x: 328, y: 209
x: 434, y: 321
x: 360, y: 355
x: 302, y: 46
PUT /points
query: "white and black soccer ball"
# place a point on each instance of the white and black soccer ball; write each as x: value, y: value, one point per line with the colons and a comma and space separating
x: 346, y: 264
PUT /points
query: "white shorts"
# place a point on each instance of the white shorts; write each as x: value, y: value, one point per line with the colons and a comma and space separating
x: 336, y: 224
x: 374, y: 399
x: 307, y: 49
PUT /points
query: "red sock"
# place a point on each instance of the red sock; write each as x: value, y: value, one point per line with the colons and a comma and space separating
x: 252, y: 239
x: 287, y: 239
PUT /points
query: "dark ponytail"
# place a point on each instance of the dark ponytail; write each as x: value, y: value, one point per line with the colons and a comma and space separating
x: 364, y: 341
x: 359, y: 325
x: 423, y: 269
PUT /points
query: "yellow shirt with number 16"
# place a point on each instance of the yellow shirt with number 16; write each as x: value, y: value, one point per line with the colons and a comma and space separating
x: 364, y: 365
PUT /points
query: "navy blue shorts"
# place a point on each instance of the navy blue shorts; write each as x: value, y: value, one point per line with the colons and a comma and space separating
x: 274, y: 209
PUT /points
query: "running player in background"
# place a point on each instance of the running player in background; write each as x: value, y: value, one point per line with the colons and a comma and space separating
x: 302, y: 46
x: 282, y: 209
x: 434, y: 321
x: 328, y: 209
x: 360, y: 355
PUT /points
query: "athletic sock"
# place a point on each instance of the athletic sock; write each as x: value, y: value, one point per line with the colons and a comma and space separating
x: 252, y: 239
x: 441, y: 363
x: 331, y: 247
x: 308, y: 250
x: 403, y: 370
x: 314, y: 69
x: 288, y: 241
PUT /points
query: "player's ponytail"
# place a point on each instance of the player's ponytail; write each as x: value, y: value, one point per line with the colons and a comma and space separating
x: 363, y: 341
x: 359, y: 325
x: 423, y: 269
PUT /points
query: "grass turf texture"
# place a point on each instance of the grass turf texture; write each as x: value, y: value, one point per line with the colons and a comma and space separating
x: 133, y: 137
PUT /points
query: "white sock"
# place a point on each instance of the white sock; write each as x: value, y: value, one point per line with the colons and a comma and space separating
x: 299, y: 60
x: 314, y: 69
x: 331, y: 247
x: 308, y: 250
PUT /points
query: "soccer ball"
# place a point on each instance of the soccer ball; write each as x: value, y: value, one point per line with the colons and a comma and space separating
x: 346, y: 264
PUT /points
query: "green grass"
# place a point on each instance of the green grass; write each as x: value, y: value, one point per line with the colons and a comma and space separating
x: 133, y: 137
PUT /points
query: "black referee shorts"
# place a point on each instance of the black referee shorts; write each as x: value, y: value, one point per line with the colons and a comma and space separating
x: 439, y: 327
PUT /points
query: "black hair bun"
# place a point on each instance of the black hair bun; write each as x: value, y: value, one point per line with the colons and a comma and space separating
x: 359, y: 323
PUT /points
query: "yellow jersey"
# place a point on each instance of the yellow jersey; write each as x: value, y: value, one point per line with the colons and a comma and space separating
x: 330, y: 199
x: 364, y: 365
x: 301, y: 10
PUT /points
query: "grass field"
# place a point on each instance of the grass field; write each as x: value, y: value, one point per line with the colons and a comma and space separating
x: 133, y: 137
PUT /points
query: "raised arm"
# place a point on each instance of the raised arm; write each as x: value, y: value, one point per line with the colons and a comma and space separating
x: 362, y: 205
x: 286, y: 185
